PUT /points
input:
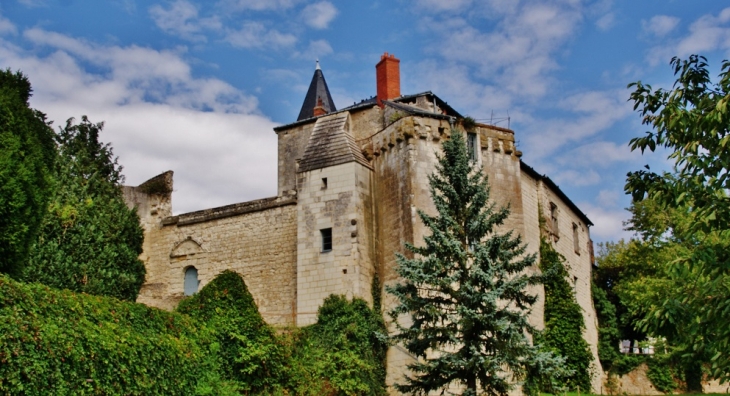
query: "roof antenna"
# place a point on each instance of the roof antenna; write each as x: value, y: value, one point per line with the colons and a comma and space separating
x: 317, y: 68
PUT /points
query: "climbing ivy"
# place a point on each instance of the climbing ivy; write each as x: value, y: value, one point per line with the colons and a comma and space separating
x: 564, y: 324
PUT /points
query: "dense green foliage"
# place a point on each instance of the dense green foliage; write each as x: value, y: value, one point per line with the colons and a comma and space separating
x: 89, y: 240
x: 690, y: 303
x: 342, y: 354
x: 646, y: 272
x: 465, y: 290
x: 608, y: 333
x: 27, y: 155
x: 564, y: 323
x: 249, y: 352
x: 62, y: 343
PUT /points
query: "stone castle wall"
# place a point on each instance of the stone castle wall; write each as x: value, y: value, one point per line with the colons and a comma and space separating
x: 256, y: 239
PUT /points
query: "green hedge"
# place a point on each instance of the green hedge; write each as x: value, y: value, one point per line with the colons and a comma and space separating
x: 63, y: 343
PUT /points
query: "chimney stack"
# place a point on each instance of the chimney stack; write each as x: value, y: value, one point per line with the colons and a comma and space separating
x: 387, y: 73
x: 319, y: 108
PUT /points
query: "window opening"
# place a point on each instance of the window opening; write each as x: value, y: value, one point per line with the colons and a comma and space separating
x: 324, y: 183
x: 554, y: 220
x: 576, y: 245
x: 326, y: 239
x: 471, y: 143
x: 190, y: 286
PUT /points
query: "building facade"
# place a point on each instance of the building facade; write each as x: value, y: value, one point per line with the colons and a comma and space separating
x: 349, y: 184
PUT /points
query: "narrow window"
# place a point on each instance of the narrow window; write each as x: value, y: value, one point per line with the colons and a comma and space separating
x: 191, y: 281
x: 471, y: 144
x: 576, y: 245
x: 324, y: 183
x: 326, y: 239
x: 554, y: 220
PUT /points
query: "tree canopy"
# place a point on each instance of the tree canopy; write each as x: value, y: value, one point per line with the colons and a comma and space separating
x: 465, y: 290
x: 27, y: 155
x: 90, y: 240
x: 690, y: 302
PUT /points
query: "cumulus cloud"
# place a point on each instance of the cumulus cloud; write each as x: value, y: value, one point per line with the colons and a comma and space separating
x: 608, y: 222
x: 181, y: 19
x: 258, y: 5
x: 319, y: 15
x: 315, y: 50
x: 659, y: 25
x: 7, y: 27
x: 606, y: 22
x: 158, y: 116
x: 707, y: 33
x: 256, y: 35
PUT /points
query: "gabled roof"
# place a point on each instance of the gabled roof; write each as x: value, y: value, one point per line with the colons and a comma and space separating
x: 331, y: 144
x: 317, y: 90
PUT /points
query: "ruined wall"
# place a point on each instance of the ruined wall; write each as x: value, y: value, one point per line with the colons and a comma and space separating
x: 256, y: 239
x: 343, y: 205
x: 292, y: 142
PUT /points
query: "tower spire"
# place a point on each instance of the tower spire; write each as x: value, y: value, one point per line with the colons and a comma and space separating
x: 317, y: 90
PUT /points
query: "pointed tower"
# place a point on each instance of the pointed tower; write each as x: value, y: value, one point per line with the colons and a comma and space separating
x: 317, y: 90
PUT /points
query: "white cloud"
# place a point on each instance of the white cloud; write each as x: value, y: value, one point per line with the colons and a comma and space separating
x: 606, y: 22
x: 440, y: 5
x: 258, y: 5
x: 579, y: 178
x: 609, y: 153
x: 659, y: 25
x: 707, y: 33
x: 608, y: 198
x: 256, y: 35
x: 316, y: 49
x: 608, y: 222
x: 593, y: 112
x: 158, y: 116
x: 319, y: 15
x: 181, y: 19
x: 7, y: 27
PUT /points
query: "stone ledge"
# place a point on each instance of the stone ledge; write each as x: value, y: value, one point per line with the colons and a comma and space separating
x: 221, y: 212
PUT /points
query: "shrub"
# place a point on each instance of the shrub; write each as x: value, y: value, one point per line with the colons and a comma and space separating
x: 62, y: 343
x: 250, y: 355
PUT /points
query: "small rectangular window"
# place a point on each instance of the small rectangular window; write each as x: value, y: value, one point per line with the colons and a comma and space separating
x: 576, y: 245
x: 324, y: 183
x: 471, y: 144
x: 554, y: 221
x: 326, y: 239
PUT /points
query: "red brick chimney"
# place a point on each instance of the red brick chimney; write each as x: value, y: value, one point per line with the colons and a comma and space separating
x: 319, y: 108
x: 387, y: 73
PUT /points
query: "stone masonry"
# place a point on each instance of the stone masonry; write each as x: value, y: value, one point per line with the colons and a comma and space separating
x: 349, y: 185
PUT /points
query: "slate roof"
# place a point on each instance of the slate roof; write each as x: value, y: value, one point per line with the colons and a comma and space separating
x: 331, y: 144
x: 317, y: 89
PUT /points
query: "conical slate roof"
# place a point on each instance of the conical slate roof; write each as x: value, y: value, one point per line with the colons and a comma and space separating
x: 317, y: 89
x: 331, y: 144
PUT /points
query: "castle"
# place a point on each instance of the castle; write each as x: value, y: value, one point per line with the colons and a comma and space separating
x: 349, y: 184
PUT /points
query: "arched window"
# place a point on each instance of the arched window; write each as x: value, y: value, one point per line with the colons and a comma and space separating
x: 191, y: 281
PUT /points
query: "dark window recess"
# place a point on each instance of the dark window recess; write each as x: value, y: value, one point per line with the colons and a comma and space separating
x: 554, y: 221
x: 471, y: 144
x: 326, y: 239
x: 324, y: 183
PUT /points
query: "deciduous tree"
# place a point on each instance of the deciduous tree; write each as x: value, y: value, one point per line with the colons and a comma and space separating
x: 692, y: 121
x: 90, y: 240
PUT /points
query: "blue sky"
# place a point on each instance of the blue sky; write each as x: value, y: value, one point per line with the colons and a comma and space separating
x: 197, y: 87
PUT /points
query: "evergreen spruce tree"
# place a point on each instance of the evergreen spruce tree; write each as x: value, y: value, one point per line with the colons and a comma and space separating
x: 465, y: 292
x: 90, y: 240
